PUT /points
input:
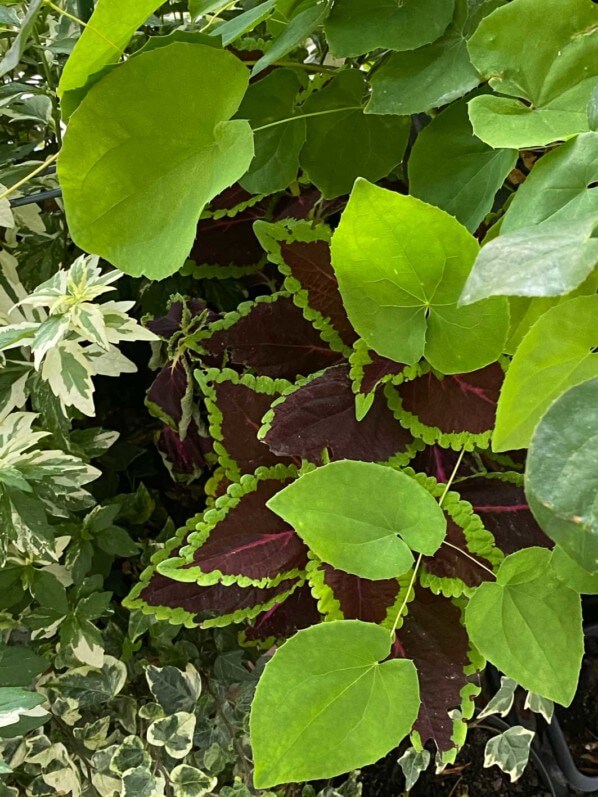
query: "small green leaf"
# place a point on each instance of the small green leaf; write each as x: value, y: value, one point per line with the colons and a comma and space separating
x: 529, y: 609
x: 451, y: 168
x: 328, y: 702
x: 556, y: 353
x: 547, y: 86
x: 510, y: 751
x: 559, y: 187
x: 354, y: 27
x: 187, y: 152
x: 294, y: 35
x: 240, y: 24
x: 391, y: 254
x: 561, y: 479
x: 12, y: 57
x: 362, y: 518
x: 333, y: 159
x: 277, y: 148
x: 550, y: 259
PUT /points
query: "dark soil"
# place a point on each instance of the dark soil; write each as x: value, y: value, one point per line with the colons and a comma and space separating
x: 466, y: 778
x: 580, y: 721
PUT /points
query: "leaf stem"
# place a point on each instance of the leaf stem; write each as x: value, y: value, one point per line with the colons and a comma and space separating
x: 469, y: 556
x: 42, y: 167
x: 301, y: 65
x: 305, y: 115
x: 447, y: 487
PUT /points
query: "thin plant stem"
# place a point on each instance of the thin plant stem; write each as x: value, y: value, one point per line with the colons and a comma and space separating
x: 42, y: 167
x: 83, y: 24
x: 305, y: 116
x: 447, y: 487
x: 469, y: 556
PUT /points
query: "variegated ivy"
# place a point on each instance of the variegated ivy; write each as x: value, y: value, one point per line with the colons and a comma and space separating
x: 69, y: 336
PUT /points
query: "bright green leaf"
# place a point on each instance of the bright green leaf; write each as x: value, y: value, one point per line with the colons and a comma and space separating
x: 528, y: 609
x: 451, y: 168
x: 550, y: 259
x: 103, y: 41
x: 561, y: 480
x: 556, y: 353
x: 362, y: 518
x: 354, y: 27
x: 328, y: 702
x: 391, y: 254
x: 137, y: 167
x: 547, y: 85
x: 345, y: 143
x: 558, y: 187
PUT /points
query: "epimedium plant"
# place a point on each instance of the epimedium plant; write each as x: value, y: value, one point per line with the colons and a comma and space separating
x: 377, y: 323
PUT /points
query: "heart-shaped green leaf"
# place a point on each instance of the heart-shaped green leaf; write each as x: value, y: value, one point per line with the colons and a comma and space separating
x: 148, y: 147
x: 328, y: 702
x: 401, y: 266
x: 528, y: 624
x: 362, y: 518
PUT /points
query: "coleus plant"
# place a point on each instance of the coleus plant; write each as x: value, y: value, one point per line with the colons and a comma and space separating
x: 353, y: 407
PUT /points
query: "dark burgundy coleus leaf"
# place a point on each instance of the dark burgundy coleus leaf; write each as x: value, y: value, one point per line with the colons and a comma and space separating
x: 231, y: 198
x: 274, y: 339
x: 298, y: 611
x: 242, y: 411
x: 504, y: 511
x: 457, y: 403
x: 448, y: 562
x: 378, y: 369
x: 321, y: 414
x: 171, y: 393
x: 251, y: 540
x: 185, y: 458
x: 433, y: 637
x: 205, y: 602
x: 230, y: 241
x: 440, y: 462
x: 299, y: 207
x: 360, y: 598
x: 310, y: 264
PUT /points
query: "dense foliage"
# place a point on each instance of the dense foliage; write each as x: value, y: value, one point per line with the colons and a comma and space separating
x: 298, y: 389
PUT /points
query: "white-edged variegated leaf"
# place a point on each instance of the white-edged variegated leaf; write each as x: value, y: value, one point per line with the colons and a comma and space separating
x: 413, y: 762
x: 191, y: 782
x: 109, y: 363
x: 173, y: 733
x: 67, y: 371
x: 48, y: 336
x: 509, y: 751
x: 88, y: 321
x: 14, y: 376
x: 540, y: 705
x: 502, y: 701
